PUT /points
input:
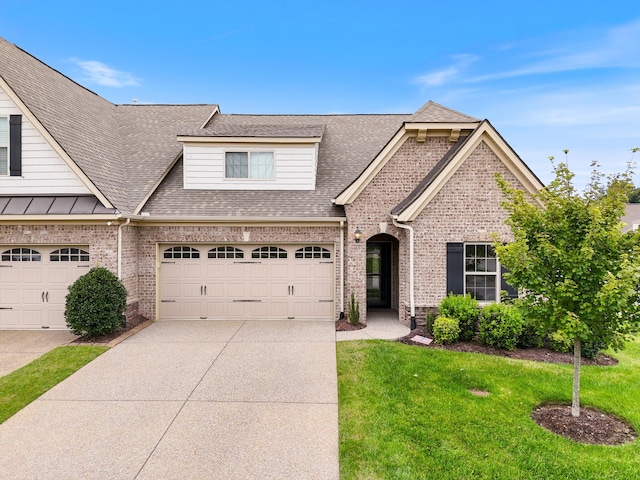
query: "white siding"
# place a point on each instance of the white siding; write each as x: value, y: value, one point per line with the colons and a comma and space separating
x: 295, y: 167
x: 43, y: 171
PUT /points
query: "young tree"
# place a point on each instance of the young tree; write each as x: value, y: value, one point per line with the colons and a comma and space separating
x: 578, y: 272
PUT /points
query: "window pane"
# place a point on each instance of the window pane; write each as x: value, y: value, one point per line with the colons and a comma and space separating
x: 4, y: 131
x: 490, y: 251
x: 470, y: 265
x: 261, y: 165
x: 481, y: 250
x: 481, y: 265
x: 491, y: 265
x: 237, y: 165
x: 470, y: 251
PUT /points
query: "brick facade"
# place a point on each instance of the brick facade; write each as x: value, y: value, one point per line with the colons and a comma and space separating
x: 150, y: 237
x: 466, y: 209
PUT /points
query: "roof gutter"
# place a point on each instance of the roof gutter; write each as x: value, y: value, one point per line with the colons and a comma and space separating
x: 394, y: 218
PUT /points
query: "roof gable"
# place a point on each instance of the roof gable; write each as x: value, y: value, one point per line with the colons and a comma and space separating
x: 419, y: 198
x: 432, y: 112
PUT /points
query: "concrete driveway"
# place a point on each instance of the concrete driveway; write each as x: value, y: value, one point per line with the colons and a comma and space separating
x: 20, y: 347
x: 189, y: 400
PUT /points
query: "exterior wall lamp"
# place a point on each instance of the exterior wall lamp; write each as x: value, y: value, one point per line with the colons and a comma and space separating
x: 357, y: 235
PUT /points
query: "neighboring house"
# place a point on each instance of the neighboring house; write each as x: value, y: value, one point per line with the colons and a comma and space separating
x: 218, y: 216
x: 631, y: 219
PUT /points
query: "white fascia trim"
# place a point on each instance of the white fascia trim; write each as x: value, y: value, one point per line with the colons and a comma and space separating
x: 350, y: 193
x: 498, y: 146
x: 216, y: 110
x: 245, y: 140
x: 90, y: 219
x: 413, y: 126
x: 255, y: 221
x: 53, y: 143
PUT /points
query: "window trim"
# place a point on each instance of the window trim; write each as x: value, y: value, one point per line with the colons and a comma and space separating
x: 7, y: 172
x: 497, y: 274
x: 24, y: 254
x: 178, y: 251
x: 68, y: 256
x: 269, y: 252
x: 312, y: 252
x: 225, y: 252
x: 249, y: 153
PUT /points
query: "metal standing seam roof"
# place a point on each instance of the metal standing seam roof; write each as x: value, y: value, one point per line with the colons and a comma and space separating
x: 53, y: 205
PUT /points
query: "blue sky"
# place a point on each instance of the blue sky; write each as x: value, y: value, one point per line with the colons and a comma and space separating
x: 549, y: 75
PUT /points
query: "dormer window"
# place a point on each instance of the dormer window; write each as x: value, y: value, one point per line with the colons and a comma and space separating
x: 254, y: 165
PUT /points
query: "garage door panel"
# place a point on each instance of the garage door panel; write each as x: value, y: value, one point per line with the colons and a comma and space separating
x: 281, y: 284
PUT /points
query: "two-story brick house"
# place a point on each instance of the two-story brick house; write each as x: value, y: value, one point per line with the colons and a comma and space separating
x: 221, y: 216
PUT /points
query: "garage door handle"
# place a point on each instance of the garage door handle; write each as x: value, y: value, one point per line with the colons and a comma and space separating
x: 325, y: 301
x: 43, y: 296
x: 6, y: 308
x: 205, y: 290
x: 168, y: 301
x: 200, y: 289
x: 292, y: 290
x: 47, y: 296
x: 237, y: 301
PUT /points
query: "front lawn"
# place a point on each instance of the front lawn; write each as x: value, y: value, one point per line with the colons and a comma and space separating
x: 23, y: 386
x: 406, y: 413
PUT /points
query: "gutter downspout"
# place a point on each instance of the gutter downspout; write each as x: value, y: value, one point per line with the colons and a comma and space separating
x: 127, y: 222
x: 341, y: 269
x: 411, y: 284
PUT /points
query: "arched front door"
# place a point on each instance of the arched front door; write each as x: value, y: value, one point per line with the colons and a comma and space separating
x: 381, y: 252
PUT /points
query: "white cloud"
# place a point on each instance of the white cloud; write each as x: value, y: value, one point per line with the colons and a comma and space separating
x: 453, y: 72
x: 101, y: 74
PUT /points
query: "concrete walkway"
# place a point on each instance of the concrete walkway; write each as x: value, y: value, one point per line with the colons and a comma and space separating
x: 381, y: 324
x: 189, y: 400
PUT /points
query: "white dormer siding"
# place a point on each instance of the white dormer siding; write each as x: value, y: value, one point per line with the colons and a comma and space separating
x: 43, y: 171
x: 295, y: 166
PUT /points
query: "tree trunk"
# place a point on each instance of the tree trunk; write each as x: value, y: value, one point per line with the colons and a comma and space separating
x: 575, y: 404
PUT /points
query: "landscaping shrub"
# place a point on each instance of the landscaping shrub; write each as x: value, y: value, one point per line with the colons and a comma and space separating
x: 95, y: 303
x: 591, y: 349
x: 500, y: 325
x: 446, y: 329
x: 429, y: 318
x: 559, y: 342
x: 464, y: 308
x: 530, y: 337
x: 354, y: 310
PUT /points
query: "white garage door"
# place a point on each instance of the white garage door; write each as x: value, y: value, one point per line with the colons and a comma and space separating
x: 34, y: 283
x: 240, y: 281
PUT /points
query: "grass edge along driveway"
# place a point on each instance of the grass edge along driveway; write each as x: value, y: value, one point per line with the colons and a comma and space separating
x: 406, y: 412
x: 23, y: 386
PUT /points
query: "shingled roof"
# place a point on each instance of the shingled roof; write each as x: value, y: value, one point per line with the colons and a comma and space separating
x: 349, y: 142
x: 123, y: 149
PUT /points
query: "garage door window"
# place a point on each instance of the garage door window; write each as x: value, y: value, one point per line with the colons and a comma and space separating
x: 69, y: 255
x: 313, y: 252
x: 181, y: 252
x: 225, y: 252
x: 269, y: 252
x: 21, y: 255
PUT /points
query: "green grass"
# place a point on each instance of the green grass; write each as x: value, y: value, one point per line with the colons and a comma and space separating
x: 23, y: 386
x: 406, y: 413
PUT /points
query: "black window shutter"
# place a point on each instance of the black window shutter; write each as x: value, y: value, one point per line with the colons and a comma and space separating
x: 15, y: 145
x: 511, y: 292
x: 455, y: 268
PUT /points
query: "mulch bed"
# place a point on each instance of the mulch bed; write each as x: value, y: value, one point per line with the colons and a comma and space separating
x: 105, y: 339
x: 343, y: 325
x: 592, y: 426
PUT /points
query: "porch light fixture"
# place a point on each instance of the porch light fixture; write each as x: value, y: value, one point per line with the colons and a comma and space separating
x: 357, y: 234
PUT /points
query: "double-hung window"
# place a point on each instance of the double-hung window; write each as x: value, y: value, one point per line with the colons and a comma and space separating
x: 481, y: 272
x: 4, y: 146
x: 255, y: 165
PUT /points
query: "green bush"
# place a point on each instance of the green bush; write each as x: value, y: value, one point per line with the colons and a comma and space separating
x: 464, y: 308
x: 446, y: 330
x: 354, y: 310
x: 95, y: 303
x: 429, y: 318
x: 591, y: 349
x: 559, y: 342
x: 500, y: 325
x: 530, y: 337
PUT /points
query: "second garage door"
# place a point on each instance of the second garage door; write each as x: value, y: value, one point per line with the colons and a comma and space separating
x: 240, y: 281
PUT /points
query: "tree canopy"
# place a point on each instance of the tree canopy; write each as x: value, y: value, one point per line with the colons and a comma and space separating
x: 579, y: 273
